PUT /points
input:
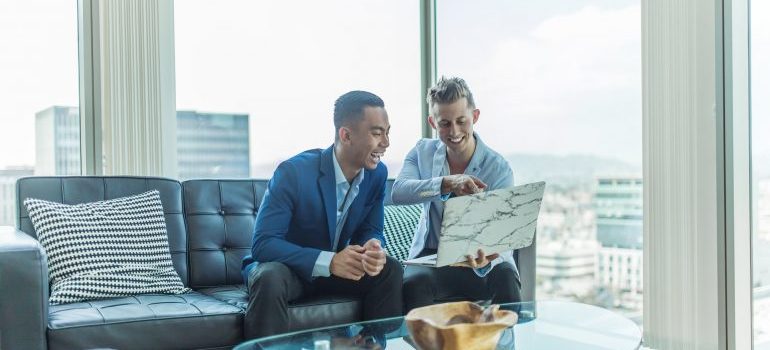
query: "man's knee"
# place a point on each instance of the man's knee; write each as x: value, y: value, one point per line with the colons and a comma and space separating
x: 393, y: 269
x: 419, y: 287
x: 503, y: 281
x: 418, y: 280
x: 270, y: 278
x: 505, y: 272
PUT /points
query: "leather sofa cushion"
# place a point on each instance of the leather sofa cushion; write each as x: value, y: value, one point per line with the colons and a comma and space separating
x: 306, y: 313
x: 235, y: 295
x: 151, y: 321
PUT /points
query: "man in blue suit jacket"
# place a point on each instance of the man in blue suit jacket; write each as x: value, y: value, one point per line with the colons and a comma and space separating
x: 456, y: 164
x: 319, y: 229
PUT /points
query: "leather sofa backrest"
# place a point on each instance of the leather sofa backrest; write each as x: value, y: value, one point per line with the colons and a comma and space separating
x: 83, y: 189
x: 220, y: 216
x: 210, y: 222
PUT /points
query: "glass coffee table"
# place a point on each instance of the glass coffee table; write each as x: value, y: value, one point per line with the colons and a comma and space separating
x: 542, y: 325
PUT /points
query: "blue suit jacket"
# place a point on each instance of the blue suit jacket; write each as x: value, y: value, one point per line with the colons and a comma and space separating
x: 297, y: 218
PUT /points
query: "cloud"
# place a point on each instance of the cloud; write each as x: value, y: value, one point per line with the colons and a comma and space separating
x: 578, y: 56
x: 570, y: 83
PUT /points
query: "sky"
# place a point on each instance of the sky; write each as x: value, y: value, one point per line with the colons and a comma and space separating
x: 549, y: 77
x: 286, y: 66
x: 38, y: 69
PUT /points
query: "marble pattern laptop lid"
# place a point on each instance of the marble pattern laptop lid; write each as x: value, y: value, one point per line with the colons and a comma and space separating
x: 495, y: 221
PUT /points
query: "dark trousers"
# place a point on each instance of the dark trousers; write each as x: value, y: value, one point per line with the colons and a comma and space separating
x: 272, y: 286
x: 427, y: 285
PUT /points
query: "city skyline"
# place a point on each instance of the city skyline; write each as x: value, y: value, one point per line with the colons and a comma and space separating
x: 42, y: 79
x: 208, y: 144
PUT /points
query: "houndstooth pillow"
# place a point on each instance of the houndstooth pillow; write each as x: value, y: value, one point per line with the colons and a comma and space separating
x: 400, y: 223
x: 112, y: 248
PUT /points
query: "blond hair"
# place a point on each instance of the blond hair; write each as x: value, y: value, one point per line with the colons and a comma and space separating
x: 449, y: 90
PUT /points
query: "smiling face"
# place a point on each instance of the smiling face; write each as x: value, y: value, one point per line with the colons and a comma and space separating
x: 364, y: 142
x: 454, y: 123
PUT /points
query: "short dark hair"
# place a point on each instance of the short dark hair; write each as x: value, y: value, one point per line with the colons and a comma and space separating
x: 449, y: 90
x: 350, y: 107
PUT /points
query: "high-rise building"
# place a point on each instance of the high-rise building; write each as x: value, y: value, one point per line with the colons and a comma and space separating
x: 620, y: 269
x: 57, y: 141
x: 208, y: 144
x: 212, y: 145
x: 8, y: 179
x: 618, y: 205
x: 566, y: 267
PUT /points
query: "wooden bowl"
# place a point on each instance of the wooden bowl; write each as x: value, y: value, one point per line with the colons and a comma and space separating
x: 460, y: 325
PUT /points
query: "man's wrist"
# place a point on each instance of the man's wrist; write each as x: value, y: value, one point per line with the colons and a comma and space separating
x: 484, y: 270
x: 445, y: 186
x: 323, y: 263
x: 446, y: 191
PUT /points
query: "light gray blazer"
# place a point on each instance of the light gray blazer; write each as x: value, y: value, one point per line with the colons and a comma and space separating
x: 420, y: 182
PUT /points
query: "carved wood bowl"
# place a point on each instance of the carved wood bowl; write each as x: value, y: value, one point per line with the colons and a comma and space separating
x: 460, y: 325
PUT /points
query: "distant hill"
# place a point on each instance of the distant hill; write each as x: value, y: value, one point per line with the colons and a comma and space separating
x: 567, y: 171
x: 563, y: 171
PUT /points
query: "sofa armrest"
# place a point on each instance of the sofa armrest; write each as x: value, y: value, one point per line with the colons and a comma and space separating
x: 23, y: 291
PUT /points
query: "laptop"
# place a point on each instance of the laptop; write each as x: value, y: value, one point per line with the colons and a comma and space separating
x: 494, y: 221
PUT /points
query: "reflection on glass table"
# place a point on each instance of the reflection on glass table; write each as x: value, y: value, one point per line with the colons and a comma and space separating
x: 542, y: 325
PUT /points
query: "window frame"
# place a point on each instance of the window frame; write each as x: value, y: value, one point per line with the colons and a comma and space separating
x: 733, y: 86
x: 733, y: 139
x: 89, y: 69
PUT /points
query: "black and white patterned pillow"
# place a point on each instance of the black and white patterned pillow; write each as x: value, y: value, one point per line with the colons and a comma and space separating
x: 400, y: 223
x: 112, y: 248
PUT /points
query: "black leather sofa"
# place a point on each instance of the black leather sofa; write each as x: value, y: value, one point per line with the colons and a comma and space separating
x: 209, y: 224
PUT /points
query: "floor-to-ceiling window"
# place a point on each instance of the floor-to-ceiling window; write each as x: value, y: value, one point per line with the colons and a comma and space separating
x: 760, y: 162
x: 559, y: 89
x: 256, y: 81
x: 39, y: 119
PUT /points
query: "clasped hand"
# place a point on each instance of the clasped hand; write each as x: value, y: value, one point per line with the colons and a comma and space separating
x: 461, y: 184
x: 354, y: 261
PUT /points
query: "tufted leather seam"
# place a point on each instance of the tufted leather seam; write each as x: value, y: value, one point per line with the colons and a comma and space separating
x: 200, y: 312
x: 153, y: 319
x: 224, y: 226
x: 203, y: 213
x: 61, y: 188
x: 99, y: 310
x: 188, y: 257
x: 323, y: 303
x: 216, y: 250
x: 254, y: 194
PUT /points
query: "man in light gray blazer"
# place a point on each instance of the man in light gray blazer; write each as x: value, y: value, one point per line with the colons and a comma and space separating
x: 456, y: 164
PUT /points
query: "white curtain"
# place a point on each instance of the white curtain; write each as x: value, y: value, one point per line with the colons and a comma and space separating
x: 137, y: 87
x: 681, y: 249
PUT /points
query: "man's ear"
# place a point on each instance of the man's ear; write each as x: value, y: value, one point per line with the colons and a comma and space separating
x: 432, y: 122
x: 476, y: 113
x: 344, y: 134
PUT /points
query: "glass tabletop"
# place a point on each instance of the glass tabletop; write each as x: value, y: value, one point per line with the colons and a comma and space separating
x: 541, y: 325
